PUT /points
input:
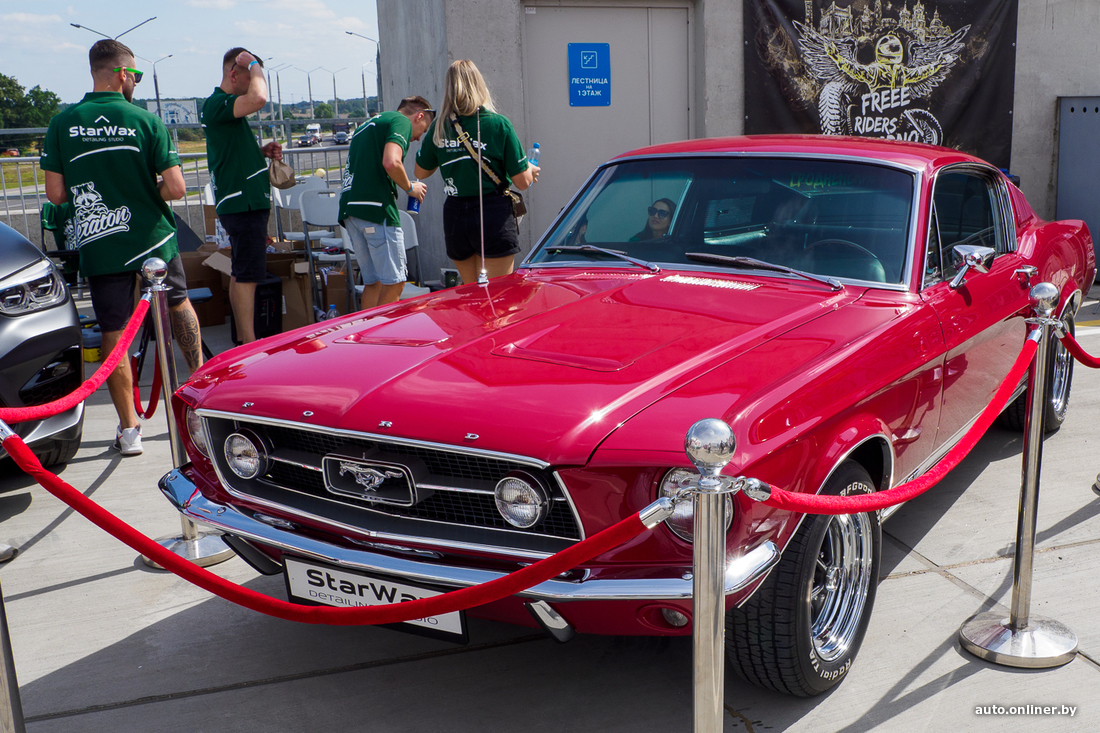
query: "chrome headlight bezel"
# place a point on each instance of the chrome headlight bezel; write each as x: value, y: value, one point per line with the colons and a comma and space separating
x: 196, y: 432
x: 521, y: 499
x: 35, y: 287
x: 247, y: 454
x: 682, y: 521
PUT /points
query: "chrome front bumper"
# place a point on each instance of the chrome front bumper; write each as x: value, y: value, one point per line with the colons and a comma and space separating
x: 741, y: 571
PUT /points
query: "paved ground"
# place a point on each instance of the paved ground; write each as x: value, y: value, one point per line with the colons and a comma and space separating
x: 103, y: 643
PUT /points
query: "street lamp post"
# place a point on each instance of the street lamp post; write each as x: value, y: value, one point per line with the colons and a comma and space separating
x: 378, y: 50
x: 335, y: 99
x: 309, y: 86
x: 366, y: 106
x: 120, y: 35
x: 271, y: 97
x: 156, y: 84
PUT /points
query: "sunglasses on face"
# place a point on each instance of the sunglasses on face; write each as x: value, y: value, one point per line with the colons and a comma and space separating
x: 137, y: 74
x: 659, y: 213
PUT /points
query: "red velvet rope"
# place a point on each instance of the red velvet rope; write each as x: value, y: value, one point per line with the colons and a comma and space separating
x: 856, y: 504
x: 476, y: 595
x: 39, y: 412
x: 154, y: 391
x: 1073, y: 347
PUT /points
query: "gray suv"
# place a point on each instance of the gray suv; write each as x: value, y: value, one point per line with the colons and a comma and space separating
x: 40, y: 357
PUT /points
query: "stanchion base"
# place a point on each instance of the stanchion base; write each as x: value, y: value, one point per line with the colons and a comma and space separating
x: 206, y: 549
x: 1043, y: 643
x: 1096, y: 483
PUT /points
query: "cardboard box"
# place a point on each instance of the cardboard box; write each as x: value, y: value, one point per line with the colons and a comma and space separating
x: 335, y: 291
x: 210, y: 220
x: 213, y: 311
x: 297, y: 305
x: 297, y: 295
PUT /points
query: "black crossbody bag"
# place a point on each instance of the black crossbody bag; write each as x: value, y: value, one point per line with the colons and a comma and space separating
x: 519, y: 209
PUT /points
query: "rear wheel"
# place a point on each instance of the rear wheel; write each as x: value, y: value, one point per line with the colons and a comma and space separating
x: 1059, y: 382
x: 801, y: 630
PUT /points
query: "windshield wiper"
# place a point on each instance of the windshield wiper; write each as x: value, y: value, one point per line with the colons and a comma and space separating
x: 593, y: 248
x: 761, y: 265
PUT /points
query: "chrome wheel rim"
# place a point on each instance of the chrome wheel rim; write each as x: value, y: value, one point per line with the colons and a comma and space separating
x: 1060, y: 378
x: 841, y: 582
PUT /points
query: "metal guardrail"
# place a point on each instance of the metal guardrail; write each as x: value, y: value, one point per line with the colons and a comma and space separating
x: 22, y: 202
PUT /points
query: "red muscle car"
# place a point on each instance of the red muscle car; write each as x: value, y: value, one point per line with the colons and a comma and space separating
x: 847, y: 306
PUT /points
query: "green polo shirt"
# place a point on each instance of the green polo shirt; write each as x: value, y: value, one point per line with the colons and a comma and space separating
x: 238, y: 169
x: 368, y: 192
x: 110, y: 153
x: 500, y: 148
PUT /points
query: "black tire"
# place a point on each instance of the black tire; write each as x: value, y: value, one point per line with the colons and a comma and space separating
x: 56, y: 451
x: 795, y: 634
x: 1059, y: 382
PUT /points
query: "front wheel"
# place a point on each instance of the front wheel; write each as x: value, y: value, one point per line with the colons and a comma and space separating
x: 801, y: 630
x: 1059, y: 382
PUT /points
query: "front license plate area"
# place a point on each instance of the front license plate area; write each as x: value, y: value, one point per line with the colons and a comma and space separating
x: 324, y: 585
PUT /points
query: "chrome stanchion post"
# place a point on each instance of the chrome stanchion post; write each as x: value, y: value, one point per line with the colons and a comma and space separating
x: 201, y: 548
x: 1023, y: 640
x: 710, y: 445
x: 11, y: 707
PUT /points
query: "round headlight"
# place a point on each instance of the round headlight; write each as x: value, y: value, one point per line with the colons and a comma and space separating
x: 682, y: 521
x: 521, y: 500
x: 246, y: 455
x: 198, y: 435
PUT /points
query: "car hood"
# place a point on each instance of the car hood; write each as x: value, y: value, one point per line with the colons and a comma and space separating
x: 542, y: 364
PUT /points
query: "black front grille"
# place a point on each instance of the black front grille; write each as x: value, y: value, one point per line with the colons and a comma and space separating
x: 453, y: 488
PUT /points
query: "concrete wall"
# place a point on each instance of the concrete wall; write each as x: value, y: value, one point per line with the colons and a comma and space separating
x: 1058, y: 54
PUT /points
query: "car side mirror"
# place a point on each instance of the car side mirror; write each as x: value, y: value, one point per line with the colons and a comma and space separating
x: 967, y: 257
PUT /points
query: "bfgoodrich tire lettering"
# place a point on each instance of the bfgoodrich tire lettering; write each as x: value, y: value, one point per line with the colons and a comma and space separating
x: 801, y: 630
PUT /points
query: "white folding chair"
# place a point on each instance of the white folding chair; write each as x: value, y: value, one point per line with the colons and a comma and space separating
x: 288, y: 199
x: 412, y: 243
x: 321, y: 208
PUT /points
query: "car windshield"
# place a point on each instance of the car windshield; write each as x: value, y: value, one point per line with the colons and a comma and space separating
x: 838, y: 219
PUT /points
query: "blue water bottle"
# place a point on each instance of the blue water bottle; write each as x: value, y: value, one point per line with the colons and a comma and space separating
x: 413, y: 206
x: 533, y: 154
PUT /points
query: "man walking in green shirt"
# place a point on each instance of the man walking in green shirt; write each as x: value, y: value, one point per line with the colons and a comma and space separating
x: 238, y: 175
x: 103, y: 155
x: 368, y: 197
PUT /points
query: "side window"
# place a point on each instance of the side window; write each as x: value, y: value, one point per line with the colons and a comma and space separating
x: 965, y: 212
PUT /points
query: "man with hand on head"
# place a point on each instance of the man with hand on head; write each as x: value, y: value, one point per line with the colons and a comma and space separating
x: 368, y: 197
x: 103, y: 156
x: 238, y: 175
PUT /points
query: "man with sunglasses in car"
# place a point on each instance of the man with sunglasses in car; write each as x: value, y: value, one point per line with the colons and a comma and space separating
x: 239, y: 177
x: 103, y: 156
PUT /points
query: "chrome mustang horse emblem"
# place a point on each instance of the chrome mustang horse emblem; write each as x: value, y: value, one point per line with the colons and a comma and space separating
x: 369, y: 478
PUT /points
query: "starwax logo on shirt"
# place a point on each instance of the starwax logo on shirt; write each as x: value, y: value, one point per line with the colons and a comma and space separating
x: 93, y: 219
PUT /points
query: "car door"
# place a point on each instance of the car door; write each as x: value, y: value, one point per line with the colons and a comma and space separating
x: 983, y: 316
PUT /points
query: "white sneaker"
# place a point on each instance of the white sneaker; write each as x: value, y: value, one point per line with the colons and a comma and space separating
x: 128, y: 441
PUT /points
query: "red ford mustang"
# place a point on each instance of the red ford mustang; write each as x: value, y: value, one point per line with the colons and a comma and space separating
x: 846, y: 306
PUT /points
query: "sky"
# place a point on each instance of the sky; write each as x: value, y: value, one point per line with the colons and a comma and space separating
x: 41, y: 48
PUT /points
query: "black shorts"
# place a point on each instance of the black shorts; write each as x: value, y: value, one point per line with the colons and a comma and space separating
x: 113, y: 295
x: 462, y: 227
x: 247, y: 232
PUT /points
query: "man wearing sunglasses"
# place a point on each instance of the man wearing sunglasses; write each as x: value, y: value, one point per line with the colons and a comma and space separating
x: 103, y: 155
x: 238, y: 175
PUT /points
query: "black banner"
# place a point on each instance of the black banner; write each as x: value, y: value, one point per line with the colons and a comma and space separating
x: 939, y: 72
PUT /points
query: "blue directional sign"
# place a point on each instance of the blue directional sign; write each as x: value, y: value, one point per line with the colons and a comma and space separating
x: 589, y: 74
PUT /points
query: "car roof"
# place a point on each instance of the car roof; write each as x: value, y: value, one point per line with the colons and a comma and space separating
x: 917, y: 156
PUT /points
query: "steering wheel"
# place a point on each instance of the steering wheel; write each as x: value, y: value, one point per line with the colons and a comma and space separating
x: 841, y: 258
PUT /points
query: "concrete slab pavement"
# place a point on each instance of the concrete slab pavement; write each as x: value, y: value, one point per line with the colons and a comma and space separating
x: 103, y: 643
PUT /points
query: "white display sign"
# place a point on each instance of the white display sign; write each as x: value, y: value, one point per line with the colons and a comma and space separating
x: 175, y: 111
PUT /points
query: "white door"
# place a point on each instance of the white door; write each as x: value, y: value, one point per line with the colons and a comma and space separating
x: 649, y: 91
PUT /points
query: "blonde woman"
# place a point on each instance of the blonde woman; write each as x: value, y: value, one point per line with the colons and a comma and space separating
x: 466, y: 100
